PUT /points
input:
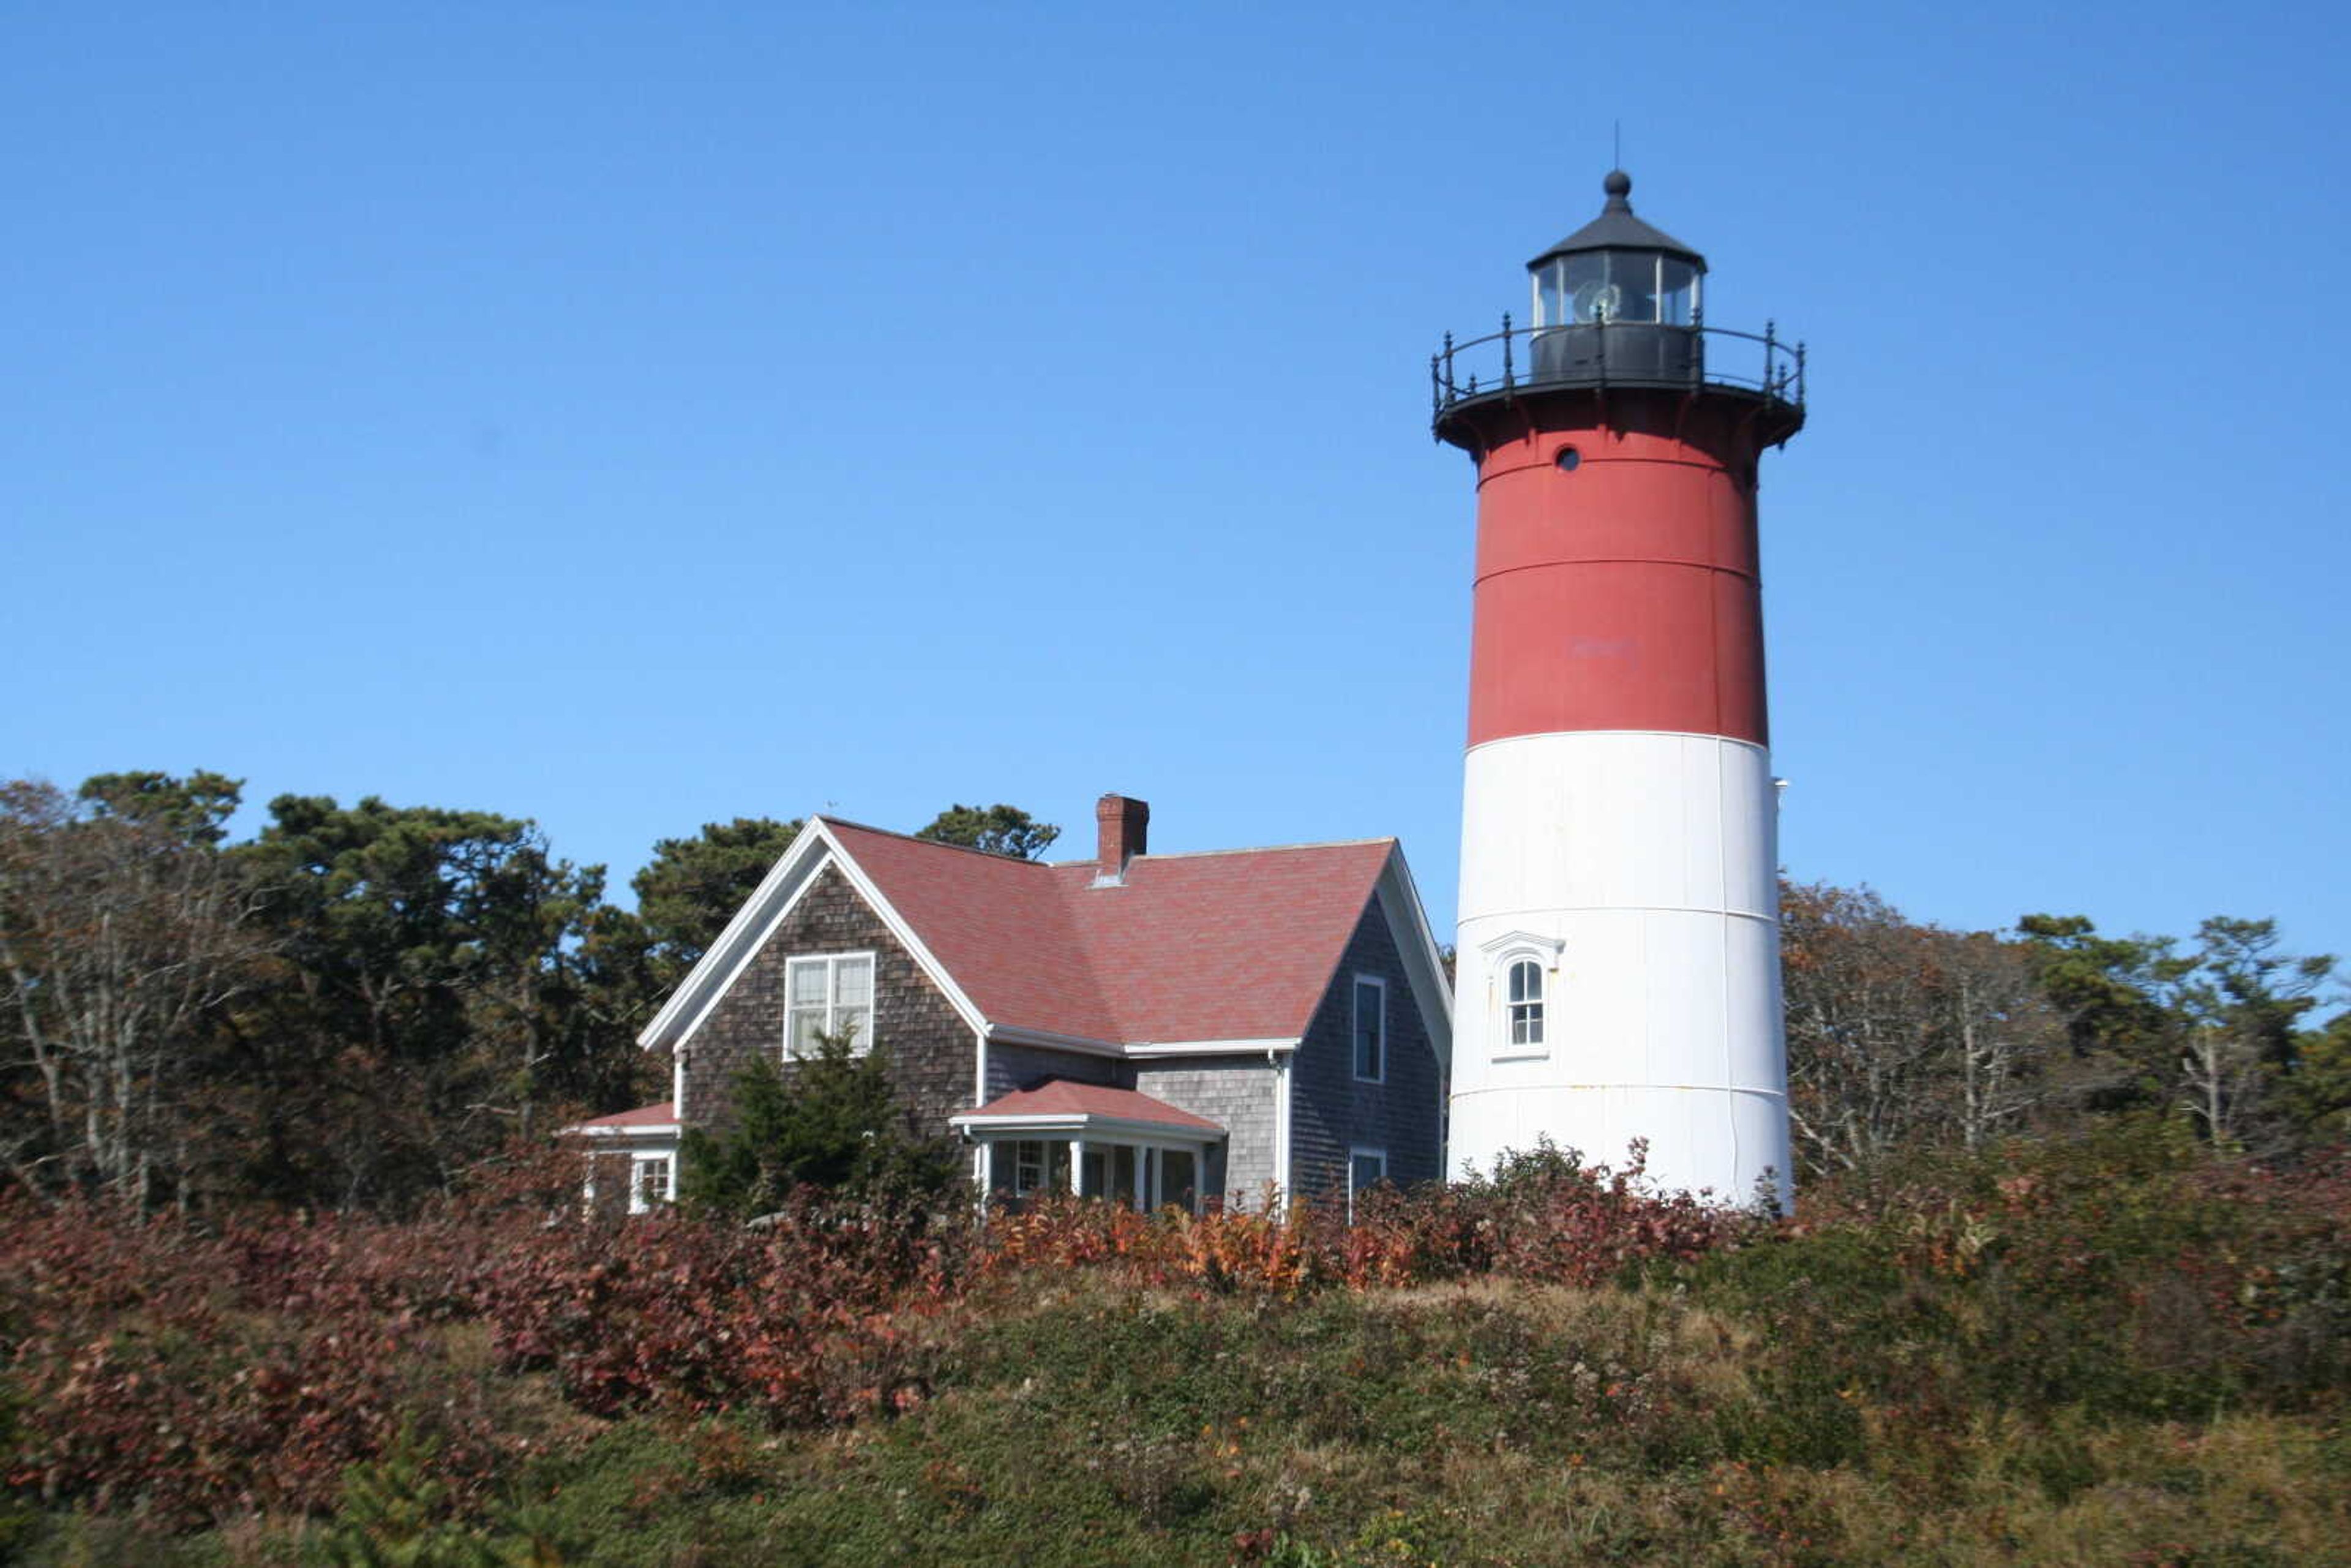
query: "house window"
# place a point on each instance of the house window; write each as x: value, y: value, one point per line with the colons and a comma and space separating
x: 1366, y: 1168
x: 1036, y: 1166
x: 1178, y: 1180
x: 1140, y: 1176
x: 649, y: 1183
x: 1526, y: 1005
x: 1371, y: 1028
x: 829, y: 993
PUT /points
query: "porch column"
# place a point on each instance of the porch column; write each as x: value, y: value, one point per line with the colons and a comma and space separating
x: 1077, y: 1167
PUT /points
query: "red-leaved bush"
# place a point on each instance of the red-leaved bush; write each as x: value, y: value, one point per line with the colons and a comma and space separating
x: 185, y: 1373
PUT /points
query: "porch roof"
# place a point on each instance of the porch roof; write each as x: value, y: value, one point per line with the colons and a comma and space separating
x: 645, y: 1121
x: 1057, y: 1105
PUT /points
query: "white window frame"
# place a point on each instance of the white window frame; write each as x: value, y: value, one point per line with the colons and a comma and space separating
x: 1512, y: 948
x: 1355, y: 1028
x: 638, y: 1160
x: 1362, y: 1152
x: 831, y: 962
x: 1510, y: 1047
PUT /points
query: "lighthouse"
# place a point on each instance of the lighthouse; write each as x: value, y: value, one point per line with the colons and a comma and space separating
x: 1618, y: 961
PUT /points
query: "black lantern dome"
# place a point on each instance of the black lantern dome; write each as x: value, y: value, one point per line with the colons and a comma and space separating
x: 1609, y: 280
x: 1617, y: 305
x: 1617, y: 268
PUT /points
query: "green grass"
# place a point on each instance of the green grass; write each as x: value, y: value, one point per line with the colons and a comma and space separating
x: 1074, y: 1421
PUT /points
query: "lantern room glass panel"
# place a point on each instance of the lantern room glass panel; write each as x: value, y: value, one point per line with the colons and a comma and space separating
x: 1550, y: 305
x: 1632, y: 277
x: 1677, y: 293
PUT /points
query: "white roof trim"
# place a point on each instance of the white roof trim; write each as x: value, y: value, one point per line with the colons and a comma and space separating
x: 1083, y: 1121
x: 1013, y: 1034
x: 795, y: 871
x: 1150, y: 1048
x: 642, y: 1130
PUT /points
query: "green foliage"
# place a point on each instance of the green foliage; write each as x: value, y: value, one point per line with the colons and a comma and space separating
x: 395, y: 1514
x: 441, y: 990
x: 17, y: 1517
x: 999, y: 829
x: 692, y: 887
x: 2115, y: 1348
x: 195, y: 810
x: 833, y: 1122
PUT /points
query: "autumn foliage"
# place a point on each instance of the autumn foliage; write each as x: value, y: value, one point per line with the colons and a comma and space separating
x: 187, y: 1374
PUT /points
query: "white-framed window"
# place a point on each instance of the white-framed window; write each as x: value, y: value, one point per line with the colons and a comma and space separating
x: 1523, y: 1019
x: 828, y: 993
x: 1371, y: 1031
x: 1523, y: 971
x: 1366, y: 1168
x: 653, y: 1182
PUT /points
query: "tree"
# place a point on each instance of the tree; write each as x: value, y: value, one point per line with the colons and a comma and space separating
x: 434, y: 961
x: 2210, y: 1030
x: 692, y: 887
x: 195, y: 810
x: 122, y: 932
x: 999, y: 829
x: 2105, y: 990
x: 2318, y: 1090
x: 1901, y: 1033
x: 2237, y: 1005
x: 2002, y: 1033
x: 1861, y: 1044
x: 831, y: 1121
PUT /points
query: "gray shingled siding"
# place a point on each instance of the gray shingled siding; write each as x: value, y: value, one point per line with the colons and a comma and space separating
x: 1011, y: 1067
x: 1330, y: 1111
x: 931, y: 1054
x: 1237, y: 1093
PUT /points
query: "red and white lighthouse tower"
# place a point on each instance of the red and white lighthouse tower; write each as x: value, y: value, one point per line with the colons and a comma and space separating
x: 1619, y: 952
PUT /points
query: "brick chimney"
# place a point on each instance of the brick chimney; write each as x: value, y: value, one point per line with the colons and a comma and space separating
x: 1122, y: 828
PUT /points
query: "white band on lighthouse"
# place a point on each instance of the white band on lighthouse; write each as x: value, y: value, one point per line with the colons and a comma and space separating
x: 1638, y: 871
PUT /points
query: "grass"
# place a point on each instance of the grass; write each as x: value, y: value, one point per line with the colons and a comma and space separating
x: 1078, y: 1421
x: 2096, y: 1354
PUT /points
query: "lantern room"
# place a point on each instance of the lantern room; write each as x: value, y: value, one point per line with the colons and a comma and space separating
x: 1618, y: 297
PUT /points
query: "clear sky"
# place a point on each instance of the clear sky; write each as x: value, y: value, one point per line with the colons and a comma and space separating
x: 629, y: 415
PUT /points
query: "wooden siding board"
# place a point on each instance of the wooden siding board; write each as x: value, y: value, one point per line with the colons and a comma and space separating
x: 1330, y: 1111
x: 929, y: 1048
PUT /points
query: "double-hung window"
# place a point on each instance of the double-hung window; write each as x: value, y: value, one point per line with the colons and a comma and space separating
x: 1371, y: 1028
x: 650, y: 1178
x: 829, y: 994
x: 1366, y: 1168
x: 1526, y: 1004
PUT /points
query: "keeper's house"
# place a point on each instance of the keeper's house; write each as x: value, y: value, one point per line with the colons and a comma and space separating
x: 1153, y: 1028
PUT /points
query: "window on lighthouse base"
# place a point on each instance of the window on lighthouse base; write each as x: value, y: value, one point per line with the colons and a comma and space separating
x: 1521, y: 968
x: 1526, y: 1007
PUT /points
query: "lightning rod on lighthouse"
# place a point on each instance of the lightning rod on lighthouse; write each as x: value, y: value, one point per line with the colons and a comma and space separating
x: 1618, y: 962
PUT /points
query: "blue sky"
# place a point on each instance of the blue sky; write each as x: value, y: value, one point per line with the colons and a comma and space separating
x: 628, y: 416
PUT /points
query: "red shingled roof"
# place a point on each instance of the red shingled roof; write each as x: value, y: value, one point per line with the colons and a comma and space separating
x: 1060, y: 1097
x: 659, y: 1115
x: 1238, y: 944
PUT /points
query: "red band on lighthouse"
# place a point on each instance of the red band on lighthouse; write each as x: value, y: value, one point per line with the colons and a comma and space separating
x: 1618, y: 591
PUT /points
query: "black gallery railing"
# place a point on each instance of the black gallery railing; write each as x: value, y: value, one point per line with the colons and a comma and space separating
x: 1617, y: 353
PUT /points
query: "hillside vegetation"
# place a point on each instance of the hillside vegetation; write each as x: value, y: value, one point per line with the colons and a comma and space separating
x: 2113, y: 1349
x: 289, y: 1272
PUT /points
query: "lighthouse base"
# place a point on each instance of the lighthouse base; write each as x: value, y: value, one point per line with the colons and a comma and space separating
x: 1726, y: 1147
x: 1637, y: 872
